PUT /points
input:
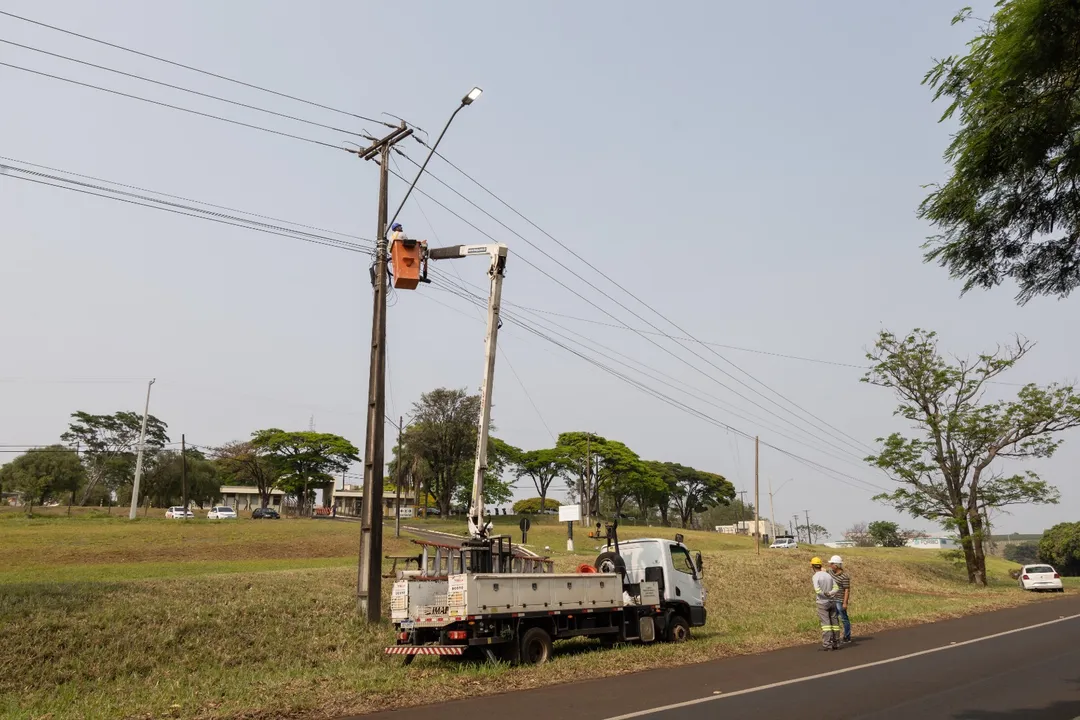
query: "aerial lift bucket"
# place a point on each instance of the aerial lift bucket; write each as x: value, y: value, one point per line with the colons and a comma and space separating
x: 408, y: 258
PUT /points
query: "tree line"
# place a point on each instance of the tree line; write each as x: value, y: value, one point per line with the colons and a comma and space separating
x: 94, y: 464
x: 437, y: 454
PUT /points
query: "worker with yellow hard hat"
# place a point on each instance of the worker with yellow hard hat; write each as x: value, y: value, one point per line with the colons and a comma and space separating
x: 826, y: 591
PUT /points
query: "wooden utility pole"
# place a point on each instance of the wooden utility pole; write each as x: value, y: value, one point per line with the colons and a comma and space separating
x: 772, y: 514
x: 757, y: 496
x: 400, y: 465
x: 183, y: 473
x: 586, y: 491
x: 809, y: 535
x: 369, y: 576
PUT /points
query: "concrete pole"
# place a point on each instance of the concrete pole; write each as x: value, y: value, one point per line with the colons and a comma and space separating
x: 139, y: 458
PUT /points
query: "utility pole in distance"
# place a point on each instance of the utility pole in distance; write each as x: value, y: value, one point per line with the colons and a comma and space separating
x: 400, y: 473
x: 369, y: 580
x: 742, y: 509
x: 183, y: 472
x: 757, y: 497
x: 809, y: 535
x: 138, y: 459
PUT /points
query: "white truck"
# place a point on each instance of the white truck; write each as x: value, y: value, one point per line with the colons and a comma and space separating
x: 643, y: 591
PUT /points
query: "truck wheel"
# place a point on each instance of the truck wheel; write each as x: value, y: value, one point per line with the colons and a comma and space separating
x: 535, y: 646
x: 609, y: 562
x: 678, y: 630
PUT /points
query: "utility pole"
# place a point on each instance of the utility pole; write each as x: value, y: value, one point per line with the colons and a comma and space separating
x: 369, y: 580
x: 757, y: 496
x: 772, y: 510
x: 400, y: 464
x: 183, y: 472
x: 742, y: 509
x: 586, y: 499
x: 809, y: 535
x: 138, y: 460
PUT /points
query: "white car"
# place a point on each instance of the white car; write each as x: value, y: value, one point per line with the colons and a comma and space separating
x: 177, y: 512
x: 785, y: 543
x: 1040, y: 577
x: 221, y: 512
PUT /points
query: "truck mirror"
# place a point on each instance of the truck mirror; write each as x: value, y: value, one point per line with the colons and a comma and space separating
x: 678, y: 537
x: 698, y: 562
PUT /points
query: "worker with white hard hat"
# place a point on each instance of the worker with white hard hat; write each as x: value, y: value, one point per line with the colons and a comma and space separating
x: 843, y: 580
x: 826, y: 591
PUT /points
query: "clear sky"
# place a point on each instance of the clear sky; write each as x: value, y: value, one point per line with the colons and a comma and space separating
x: 750, y: 170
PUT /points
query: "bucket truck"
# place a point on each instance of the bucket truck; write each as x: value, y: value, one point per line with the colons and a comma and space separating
x: 490, y: 599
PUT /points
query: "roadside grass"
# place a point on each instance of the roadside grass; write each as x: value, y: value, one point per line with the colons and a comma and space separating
x: 257, y: 620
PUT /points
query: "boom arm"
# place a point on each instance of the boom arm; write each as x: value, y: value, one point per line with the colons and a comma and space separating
x: 478, y: 527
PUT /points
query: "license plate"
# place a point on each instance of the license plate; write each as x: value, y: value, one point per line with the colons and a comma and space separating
x: 407, y: 624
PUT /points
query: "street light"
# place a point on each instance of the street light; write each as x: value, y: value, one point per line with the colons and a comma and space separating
x: 469, y: 99
x: 472, y: 96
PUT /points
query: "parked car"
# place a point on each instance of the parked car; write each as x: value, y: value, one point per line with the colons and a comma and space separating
x: 177, y: 512
x: 265, y: 514
x: 221, y: 512
x: 785, y: 543
x: 1040, y: 577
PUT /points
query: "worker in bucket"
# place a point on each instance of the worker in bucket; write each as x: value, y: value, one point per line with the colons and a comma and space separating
x: 843, y: 580
x: 396, y: 233
x: 826, y: 591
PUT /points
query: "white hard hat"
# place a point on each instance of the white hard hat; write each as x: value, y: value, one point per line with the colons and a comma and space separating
x: 835, y: 560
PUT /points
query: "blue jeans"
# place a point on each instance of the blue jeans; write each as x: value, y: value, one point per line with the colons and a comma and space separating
x: 844, y: 620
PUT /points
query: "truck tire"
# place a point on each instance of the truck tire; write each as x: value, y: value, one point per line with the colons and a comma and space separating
x: 678, y: 629
x: 535, y: 647
x: 609, y: 562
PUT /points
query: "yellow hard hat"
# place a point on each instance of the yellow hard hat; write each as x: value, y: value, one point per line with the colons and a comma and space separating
x: 815, y: 561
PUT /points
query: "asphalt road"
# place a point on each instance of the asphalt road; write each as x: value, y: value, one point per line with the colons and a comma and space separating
x: 1017, y: 664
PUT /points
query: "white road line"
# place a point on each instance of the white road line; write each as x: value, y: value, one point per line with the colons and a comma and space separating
x: 807, y: 678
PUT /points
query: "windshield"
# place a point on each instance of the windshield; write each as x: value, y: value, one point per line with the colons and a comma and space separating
x: 1040, y: 569
x: 680, y: 560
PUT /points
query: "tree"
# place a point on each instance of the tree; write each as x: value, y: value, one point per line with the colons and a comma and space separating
x: 109, y: 444
x: 1060, y: 546
x: 44, y: 473
x: 305, y: 458
x: 812, y: 532
x: 531, y: 506
x: 885, y: 534
x: 1009, y: 209
x: 166, y: 476
x: 1023, y: 553
x: 951, y: 472
x: 584, y: 456
x: 443, y: 434
x: 543, y: 467
x: 243, y: 463
x: 501, y: 458
x: 695, y: 491
x: 859, y: 534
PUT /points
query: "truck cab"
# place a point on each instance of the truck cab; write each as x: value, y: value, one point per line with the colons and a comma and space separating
x: 670, y: 565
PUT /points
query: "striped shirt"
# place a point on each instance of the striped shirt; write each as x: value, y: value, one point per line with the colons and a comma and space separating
x: 843, y: 580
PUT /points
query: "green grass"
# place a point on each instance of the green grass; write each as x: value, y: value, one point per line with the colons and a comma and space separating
x: 105, y: 618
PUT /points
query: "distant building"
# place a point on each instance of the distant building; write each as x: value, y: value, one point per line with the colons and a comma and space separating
x: 246, y: 497
x: 349, y: 501
x: 933, y: 543
x: 746, y: 527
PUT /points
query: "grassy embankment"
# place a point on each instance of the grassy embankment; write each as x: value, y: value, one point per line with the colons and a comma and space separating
x: 104, y: 618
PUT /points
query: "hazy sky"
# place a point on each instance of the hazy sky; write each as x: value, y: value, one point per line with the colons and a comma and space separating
x: 750, y: 170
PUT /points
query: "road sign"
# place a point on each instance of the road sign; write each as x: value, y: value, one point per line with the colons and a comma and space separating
x: 525, y: 524
x: 570, y: 513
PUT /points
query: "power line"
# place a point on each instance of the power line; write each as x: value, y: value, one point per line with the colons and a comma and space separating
x: 178, y: 212
x: 636, y: 315
x: 187, y: 199
x: 635, y: 297
x: 179, y: 87
x: 834, y: 474
x: 526, y: 391
x: 173, y: 107
x: 193, y: 69
x: 693, y: 392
